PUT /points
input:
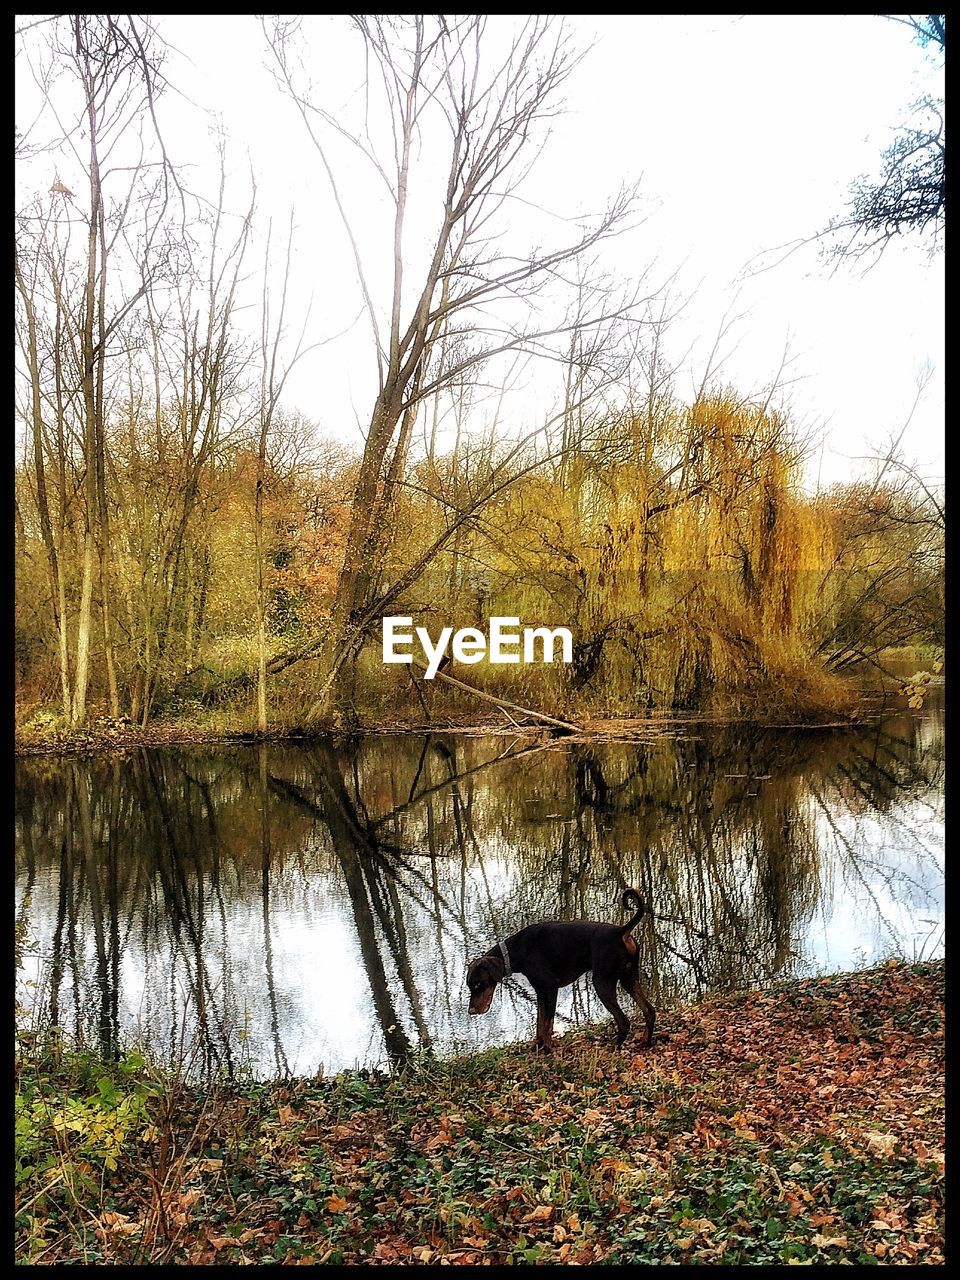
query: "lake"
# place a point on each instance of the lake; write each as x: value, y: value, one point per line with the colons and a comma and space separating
x: 305, y: 907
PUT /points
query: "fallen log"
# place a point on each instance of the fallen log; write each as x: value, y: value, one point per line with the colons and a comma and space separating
x: 503, y: 703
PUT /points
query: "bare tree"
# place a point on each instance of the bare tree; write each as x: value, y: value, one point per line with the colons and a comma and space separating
x: 440, y: 78
x: 192, y: 385
x: 909, y: 195
x: 274, y: 371
x: 27, y: 272
x: 114, y: 62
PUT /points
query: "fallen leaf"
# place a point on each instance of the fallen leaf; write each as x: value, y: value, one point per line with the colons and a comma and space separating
x: 881, y: 1144
x: 700, y: 1225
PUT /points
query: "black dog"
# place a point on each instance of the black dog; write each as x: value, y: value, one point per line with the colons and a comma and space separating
x: 554, y: 953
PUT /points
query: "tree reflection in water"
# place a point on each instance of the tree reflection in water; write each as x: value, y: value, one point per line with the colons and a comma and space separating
x: 295, y: 907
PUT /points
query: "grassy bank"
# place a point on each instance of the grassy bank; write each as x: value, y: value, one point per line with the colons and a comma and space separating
x: 799, y: 1124
x: 838, y: 703
x: 106, y: 737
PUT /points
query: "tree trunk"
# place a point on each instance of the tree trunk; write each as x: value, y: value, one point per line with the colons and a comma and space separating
x: 79, y: 708
x: 108, y: 644
x: 261, y: 587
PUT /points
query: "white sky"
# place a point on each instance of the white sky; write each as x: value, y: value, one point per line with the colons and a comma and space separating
x: 746, y: 131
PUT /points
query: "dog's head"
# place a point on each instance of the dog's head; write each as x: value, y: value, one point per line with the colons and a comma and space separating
x: 483, y: 974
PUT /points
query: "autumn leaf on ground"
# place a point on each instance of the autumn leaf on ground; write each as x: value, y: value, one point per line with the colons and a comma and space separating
x: 740, y: 1124
x: 882, y: 1144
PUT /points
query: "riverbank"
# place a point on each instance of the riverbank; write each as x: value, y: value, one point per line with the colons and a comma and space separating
x: 106, y: 735
x: 802, y: 1123
x: 42, y: 732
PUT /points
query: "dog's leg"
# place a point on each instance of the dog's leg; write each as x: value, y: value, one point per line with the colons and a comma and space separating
x: 546, y: 1010
x: 632, y: 987
x: 606, y: 988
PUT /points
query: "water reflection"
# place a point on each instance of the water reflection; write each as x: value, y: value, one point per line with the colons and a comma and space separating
x: 298, y: 908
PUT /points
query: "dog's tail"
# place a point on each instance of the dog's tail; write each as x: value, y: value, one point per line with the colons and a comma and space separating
x: 629, y: 899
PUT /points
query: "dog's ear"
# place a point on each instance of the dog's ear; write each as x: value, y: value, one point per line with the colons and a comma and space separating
x: 483, y: 971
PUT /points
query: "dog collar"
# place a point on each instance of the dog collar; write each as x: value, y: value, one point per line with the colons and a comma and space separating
x: 506, y: 959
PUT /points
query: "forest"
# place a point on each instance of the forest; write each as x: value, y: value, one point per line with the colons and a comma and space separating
x: 347, y: 339
x: 193, y: 549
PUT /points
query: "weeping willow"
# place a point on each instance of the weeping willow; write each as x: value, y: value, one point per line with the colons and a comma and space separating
x: 681, y: 552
